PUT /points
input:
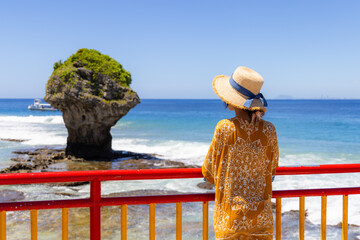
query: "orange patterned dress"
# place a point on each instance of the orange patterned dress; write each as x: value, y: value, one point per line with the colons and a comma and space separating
x: 241, y: 161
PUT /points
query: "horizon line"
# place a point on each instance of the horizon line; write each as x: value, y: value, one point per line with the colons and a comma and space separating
x: 277, y: 99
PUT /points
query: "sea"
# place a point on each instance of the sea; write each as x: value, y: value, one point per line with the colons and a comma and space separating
x: 310, y: 132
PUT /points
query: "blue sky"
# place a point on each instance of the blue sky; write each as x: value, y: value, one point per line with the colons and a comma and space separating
x: 173, y: 49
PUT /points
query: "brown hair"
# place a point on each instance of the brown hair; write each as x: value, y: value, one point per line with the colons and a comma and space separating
x: 255, y: 115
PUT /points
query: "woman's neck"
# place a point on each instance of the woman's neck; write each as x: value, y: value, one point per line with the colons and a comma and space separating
x: 242, y: 114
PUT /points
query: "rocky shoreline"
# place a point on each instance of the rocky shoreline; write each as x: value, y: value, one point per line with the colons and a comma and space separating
x: 12, y: 140
x: 49, y: 159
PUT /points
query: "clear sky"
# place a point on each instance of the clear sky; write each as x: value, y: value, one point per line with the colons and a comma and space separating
x: 173, y: 49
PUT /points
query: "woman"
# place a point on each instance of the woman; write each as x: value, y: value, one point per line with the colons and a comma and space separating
x: 242, y: 160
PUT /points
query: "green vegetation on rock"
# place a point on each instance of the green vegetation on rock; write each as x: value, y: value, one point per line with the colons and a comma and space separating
x: 93, y: 60
x: 57, y: 64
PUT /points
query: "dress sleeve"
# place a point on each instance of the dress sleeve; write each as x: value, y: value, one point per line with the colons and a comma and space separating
x: 209, y: 166
x: 275, y: 153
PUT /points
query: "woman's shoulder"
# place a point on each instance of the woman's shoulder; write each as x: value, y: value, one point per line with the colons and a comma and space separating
x: 225, y: 124
x: 268, y: 126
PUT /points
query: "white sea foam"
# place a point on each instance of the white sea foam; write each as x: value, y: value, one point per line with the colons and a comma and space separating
x: 32, y: 119
x: 187, y: 152
x: 37, y: 130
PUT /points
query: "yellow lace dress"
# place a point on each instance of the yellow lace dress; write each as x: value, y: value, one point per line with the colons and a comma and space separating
x: 241, y: 161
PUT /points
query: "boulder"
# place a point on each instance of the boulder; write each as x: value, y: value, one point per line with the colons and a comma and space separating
x: 92, y: 91
x: 7, y: 195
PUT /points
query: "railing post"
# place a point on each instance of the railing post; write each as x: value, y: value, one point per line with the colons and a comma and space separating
x: 278, y: 219
x: 33, y: 223
x: 152, y: 221
x: 345, y: 218
x: 323, y: 218
x: 178, y: 220
x: 205, y: 220
x: 123, y: 222
x: 65, y: 224
x: 95, y: 217
x: 302, y: 218
x: 3, y: 225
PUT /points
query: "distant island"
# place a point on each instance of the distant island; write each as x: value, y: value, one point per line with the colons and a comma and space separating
x: 283, y: 97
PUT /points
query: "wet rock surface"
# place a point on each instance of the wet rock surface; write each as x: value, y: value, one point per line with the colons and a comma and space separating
x: 12, y: 140
x: 7, y: 195
x: 206, y: 185
x: 49, y: 159
x: 34, y: 160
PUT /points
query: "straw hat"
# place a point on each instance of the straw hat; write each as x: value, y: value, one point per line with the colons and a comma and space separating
x: 243, y: 85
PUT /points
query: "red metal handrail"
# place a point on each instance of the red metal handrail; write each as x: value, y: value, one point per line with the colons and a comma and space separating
x: 148, y: 174
x: 136, y: 200
x: 318, y: 169
x: 95, y: 177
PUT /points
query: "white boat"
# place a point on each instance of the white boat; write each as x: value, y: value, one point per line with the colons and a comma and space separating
x: 41, y: 106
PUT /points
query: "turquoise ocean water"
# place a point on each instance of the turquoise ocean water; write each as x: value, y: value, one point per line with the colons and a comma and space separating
x: 310, y: 132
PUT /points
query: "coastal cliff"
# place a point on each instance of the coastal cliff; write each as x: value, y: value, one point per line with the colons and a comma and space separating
x: 92, y: 91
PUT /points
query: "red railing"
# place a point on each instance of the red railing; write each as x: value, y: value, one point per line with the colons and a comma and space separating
x: 95, y: 202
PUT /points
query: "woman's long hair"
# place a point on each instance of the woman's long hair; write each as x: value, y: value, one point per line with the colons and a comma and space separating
x: 255, y: 115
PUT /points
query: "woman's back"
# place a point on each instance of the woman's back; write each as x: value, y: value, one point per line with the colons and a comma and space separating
x: 241, y: 161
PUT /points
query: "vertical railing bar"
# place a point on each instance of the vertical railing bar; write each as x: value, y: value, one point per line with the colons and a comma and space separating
x: 152, y: 221
x: 123, y: 222
x: 33, y: 224
x: 2, y: 225
x: 323, y: 217
x: 205, y: 220
x: 345, y: 218
x: 65, y: 224
x: 302, y: 218
x: 95, y: 214
x: 278, y: 219
x: 178, y: 221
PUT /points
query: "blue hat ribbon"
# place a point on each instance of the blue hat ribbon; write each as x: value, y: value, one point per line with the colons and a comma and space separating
x: 246, y: 92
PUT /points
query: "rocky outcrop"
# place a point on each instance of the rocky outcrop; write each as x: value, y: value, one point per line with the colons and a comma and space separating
x: 12, y: 140
x: 50, y: 159
x: 92, y: 91
x: 7, y: 195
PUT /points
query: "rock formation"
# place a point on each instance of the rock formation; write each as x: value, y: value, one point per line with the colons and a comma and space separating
x: 92, y: 91
x: 48, y: 159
